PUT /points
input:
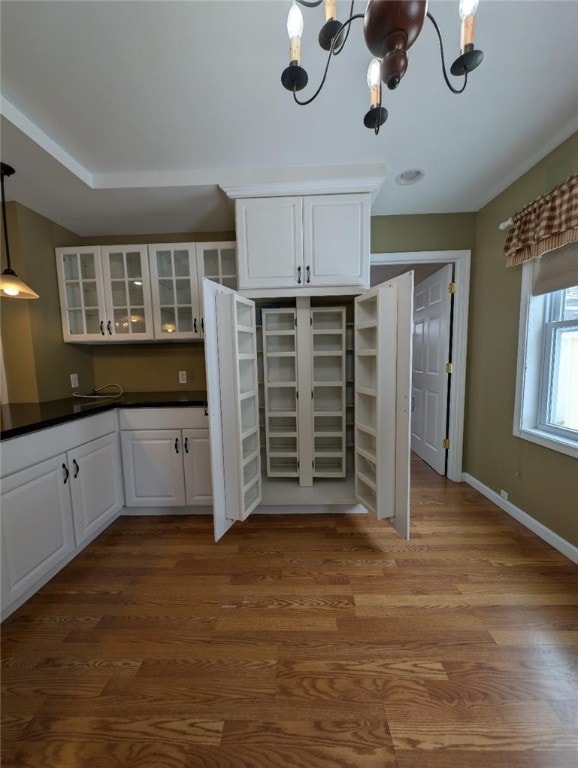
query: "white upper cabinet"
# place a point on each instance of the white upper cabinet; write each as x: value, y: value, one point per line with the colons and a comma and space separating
x: 303, y: 242
x: 336, y: 239
x: 174, y: 285
x: 105, y: 293
x: 139, y: 292
x: 270, y: 242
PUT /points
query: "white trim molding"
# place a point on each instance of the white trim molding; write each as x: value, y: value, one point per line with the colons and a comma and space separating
x: 461, y: 261
x: 547, y: 535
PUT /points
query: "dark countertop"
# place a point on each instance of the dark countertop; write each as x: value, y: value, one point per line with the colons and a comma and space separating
x: 21, y: 418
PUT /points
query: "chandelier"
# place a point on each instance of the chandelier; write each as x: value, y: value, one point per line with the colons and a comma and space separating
x: 390, y: 28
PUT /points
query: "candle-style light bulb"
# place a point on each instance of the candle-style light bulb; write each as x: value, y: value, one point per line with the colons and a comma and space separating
x: 467, y: 10
x: 295, y: 30
x: 374, y: 82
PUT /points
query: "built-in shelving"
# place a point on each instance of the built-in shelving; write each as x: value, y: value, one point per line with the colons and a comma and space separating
x: 280, y: 388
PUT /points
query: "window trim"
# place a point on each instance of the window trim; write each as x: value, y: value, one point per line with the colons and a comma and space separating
x: 530, y: 372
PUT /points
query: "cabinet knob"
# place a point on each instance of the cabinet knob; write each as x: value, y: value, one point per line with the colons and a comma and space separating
x: 176, y: 444
x: 66, y: 473
x: 76, y: 468
x: 299, y: 275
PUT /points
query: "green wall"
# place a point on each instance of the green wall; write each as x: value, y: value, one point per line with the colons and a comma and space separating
x: 38, y: 363
x: 542, y: 482
x: 428, y: 232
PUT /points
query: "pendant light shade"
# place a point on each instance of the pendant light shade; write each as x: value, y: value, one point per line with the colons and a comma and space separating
x: 11, y: 286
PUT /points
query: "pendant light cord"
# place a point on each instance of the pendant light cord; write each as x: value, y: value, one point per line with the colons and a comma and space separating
x: 4, y: 222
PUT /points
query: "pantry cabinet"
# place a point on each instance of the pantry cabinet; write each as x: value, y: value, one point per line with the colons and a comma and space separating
x: 165, y: 457
x: 381, y: 423
x: 303, y: 242
x: 60, y: 487
x: 105, y: 293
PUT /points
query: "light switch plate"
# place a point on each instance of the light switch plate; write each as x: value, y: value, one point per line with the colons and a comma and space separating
x: 182, y: 377
x: 74, y: 380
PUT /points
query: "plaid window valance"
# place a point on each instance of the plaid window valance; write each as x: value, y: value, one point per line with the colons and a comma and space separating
x: 549, y: 222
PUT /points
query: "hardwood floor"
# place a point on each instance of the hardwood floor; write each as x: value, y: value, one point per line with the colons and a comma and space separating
x: 301, y: 641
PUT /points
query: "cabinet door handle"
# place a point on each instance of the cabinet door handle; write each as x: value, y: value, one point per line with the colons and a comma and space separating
x: 299, y: 275
x: 176, y: 444
x: 195, y: 324
x: 101, y: 326
x: 109, y: 328
x: 202, y: 324
x: 308, y: 272
x: 186, y: 444
x: 66, y: 473
x: 76, y: 468
x: 206, y: 410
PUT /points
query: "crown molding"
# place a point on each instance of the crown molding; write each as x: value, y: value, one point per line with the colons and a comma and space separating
x: 369, y: 185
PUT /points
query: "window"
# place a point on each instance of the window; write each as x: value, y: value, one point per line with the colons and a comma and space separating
x: 546, y: 409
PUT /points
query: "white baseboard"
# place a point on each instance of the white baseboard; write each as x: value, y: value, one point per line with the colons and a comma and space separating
x: 563, y: 546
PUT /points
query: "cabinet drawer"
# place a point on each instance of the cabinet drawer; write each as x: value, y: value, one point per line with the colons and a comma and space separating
x: 163, y: 418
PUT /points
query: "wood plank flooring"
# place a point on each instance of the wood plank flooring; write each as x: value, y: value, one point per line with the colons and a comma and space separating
x: 301, y: 642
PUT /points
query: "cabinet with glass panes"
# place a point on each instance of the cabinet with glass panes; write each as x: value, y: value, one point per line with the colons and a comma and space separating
x: 105, y: 293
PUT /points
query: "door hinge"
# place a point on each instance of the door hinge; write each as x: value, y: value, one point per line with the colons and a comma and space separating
x: 449, y: 368
x: 446, y: 443
x: 452, y: 287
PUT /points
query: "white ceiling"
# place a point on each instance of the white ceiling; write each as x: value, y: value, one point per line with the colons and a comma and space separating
x: 125, y: 117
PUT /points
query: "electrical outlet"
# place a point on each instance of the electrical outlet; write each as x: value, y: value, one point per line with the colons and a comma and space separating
x: 74, y: 380
x: 504, y: 494
x: 182, y: 377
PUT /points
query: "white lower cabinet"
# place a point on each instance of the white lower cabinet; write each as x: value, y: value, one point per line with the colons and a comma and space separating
x: 166, y: 467
x: 95, y: 485
x: 197, y: 466
x: 52, y: 507
x: 37, y: 528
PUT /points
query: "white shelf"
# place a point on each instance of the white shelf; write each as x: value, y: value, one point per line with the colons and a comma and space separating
x: 366, y: 391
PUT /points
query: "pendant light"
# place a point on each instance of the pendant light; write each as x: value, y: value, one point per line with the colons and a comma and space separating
x: 11, y: 286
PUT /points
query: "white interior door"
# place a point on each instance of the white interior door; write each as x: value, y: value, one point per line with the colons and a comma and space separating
x: 233, y: 401
x: 383, y: 341
x: 430, y: 381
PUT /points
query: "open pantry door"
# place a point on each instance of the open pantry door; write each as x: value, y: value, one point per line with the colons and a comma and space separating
x: 383, y: 339
x: 232, y: 391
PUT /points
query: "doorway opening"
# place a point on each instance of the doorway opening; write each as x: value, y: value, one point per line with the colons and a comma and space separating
x: 425, y: 264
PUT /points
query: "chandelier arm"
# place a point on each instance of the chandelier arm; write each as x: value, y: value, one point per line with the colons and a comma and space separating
x: 444, y: 72
x: 318, y: 91
x: 340, y: 47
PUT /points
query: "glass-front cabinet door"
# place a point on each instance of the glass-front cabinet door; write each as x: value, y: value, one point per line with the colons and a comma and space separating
x: 127, y: 295
x: 174, y: 288
x: 82, y: 302
x: 216, y: 262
